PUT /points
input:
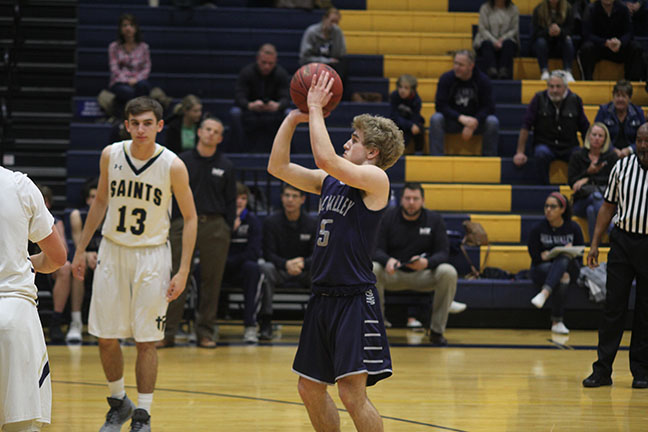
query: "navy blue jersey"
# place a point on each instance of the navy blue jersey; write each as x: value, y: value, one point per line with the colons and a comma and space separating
x: 346, y: 238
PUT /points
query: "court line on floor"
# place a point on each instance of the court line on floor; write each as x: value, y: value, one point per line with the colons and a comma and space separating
x: 252, y: 398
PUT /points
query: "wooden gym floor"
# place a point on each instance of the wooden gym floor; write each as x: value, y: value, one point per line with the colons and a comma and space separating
x: 486, y: 380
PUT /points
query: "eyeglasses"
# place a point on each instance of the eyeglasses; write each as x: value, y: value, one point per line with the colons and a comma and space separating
x: 551, y: 206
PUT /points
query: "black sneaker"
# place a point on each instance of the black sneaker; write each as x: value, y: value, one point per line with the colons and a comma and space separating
x: 596, y: 380
x: 437, y: 339
x: 120, y: 411
x: 56, y: 334
x: 266, y: 331
x: 141, y: 421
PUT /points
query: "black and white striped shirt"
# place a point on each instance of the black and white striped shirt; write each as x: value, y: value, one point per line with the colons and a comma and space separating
x: 628, y: 189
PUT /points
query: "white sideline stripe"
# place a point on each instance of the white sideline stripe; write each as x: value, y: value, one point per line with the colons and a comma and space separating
x: 372, y: 334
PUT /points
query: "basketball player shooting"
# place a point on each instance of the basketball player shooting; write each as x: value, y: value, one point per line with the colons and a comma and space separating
x: 343, y: 337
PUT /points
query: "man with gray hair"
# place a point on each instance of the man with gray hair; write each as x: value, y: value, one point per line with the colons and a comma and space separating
x: 261, y: 96
x: 464, y: 104
x: 556, y: 116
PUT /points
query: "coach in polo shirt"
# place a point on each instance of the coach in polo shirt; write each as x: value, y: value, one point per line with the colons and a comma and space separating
x: 627, y: 196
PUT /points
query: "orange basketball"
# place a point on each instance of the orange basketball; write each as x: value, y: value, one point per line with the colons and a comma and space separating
x: 301, y: 82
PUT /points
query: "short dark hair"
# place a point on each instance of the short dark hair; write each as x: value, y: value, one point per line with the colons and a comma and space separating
x: 90, y: 184
x: 209, y: 117
x: 128, y: 17
x: 285, y: 186
x: 507, y: 3
x: 623, y: 86
x: 48, y: 195
x: 413, y: 186
x: 142, y: 104
x: 242, y: 189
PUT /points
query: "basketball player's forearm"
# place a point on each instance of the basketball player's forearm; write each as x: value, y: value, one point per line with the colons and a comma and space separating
x: 189, y: 232
x: 323, y: 150
x: 43, y: 264
x: 280, y: 154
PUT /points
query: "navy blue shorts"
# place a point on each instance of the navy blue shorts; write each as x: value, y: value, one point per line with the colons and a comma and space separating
x: 341, y: 336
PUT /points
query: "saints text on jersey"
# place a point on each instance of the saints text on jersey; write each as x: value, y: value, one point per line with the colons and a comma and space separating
x: 136, y: 189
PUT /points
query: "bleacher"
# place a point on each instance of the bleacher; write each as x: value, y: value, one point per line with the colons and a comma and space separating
x: 201, y: 51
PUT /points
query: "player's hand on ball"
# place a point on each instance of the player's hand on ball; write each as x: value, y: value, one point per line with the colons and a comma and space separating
x: 176, y: 287
x: 298, y: 116
x: 319, y: 93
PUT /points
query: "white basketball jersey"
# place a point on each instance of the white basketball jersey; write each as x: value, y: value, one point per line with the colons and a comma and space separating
x: 139, y: 197
x: 23, y: 216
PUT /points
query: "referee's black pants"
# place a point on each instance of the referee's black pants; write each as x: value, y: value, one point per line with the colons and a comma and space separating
x: 627, y: 260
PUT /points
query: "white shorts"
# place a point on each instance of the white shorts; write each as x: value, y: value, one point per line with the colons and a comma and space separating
x: 129, y: 292
x: 25, y: 382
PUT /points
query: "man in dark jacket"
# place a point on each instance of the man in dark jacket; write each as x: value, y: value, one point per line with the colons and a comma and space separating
x: 607, y: 34
x: 212, y: 181
x: 464, y: 103
x: 556, y: 116
x: 288, y: 242
x: 412, y: 254
x: 261, y: 97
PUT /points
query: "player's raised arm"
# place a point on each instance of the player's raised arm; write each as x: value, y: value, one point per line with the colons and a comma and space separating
x: 279, y: 164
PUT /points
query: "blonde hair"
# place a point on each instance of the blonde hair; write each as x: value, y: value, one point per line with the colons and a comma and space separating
x: 382, y: 134
x: 606, y: 144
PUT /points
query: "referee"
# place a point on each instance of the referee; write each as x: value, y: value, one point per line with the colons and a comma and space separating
x: 626, y: 194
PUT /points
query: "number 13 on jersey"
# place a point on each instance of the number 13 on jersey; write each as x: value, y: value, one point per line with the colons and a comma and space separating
x: 137, y: 226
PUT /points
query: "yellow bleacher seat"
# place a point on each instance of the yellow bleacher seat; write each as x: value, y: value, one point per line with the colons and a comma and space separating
x: 409, y: 5
x: 558, y: 172
x: 453, y: 144
x: 468, y: 197
x: 500, y: 228
x: 404, y: 43
x: 408, y: 21
x: 449, y: 169
x: 516, y: 258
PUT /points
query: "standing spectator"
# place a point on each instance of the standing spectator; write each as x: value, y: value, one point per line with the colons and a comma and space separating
x: 607, y: 34
x: 77, y: 219
x: 589, y: 169
x: 553, y: 275
x: 324, y: 43
x: 464, y: 103
x: 626, y: 196
x: 555, y: 115
x: 25, y: 380
x: 553, y: 22
x: 405, y: 104
x: 288, y: 242
x: 412, y: 254
x: 211, y: 178
x: 182, y: 129
x: 498, y: 37
x: 261, y: 96
x: 130, y: 63
x: 242, y: 265
x: 622, y: 119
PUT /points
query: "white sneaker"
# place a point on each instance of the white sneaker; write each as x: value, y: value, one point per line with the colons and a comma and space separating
x: 414, y: 323
x: 560, y: 328
x: 539, y: 300
x: 457, y: 307
x: 74, y: 333
x: 250, y: 335
x: 569, y: 76
x: 545, y: 75
x: 388, y: 324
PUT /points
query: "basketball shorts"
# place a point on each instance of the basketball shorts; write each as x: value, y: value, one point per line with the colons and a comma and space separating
x: 25, y: 382
x: 342, y: 336
x: 129, y: 292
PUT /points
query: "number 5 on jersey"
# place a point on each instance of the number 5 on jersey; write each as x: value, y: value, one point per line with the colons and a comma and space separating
x: 323, y: 238
x: 140, y: 217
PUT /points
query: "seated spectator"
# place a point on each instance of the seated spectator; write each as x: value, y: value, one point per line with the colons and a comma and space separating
x: 130, y: 63
x: 622, y: 119
x: 261, y: 97
x: 182, y: 127
x: 639, y: 14
x: 555, y: 115
x: 498, y: 37
x: 242, y: 267
x: 405, y: 104
x: 579, y: 7
x: 464, y: 103
x: 607, y: 34
x: 288, y: 242
x: 61, y: 277
x: 324, y: 43
x: 553, y: 22
x: 77, y: 219
x: 412, y: 254
x: 553, y: 275
x: 589, y: 169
